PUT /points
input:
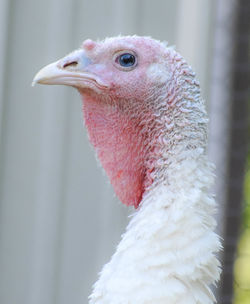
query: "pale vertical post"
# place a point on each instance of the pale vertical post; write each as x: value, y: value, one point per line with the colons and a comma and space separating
x: 4, y: 12
x: 194, y: 36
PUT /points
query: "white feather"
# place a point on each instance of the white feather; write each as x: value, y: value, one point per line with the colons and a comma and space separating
x: 167, y: 252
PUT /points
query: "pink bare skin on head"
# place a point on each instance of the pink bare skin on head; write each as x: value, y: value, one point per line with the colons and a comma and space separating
x: 119, y: 146
x: 88, y: 44
x: 128, y: 87
x: 117, y: 118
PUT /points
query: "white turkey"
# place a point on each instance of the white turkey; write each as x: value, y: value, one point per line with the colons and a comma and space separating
x: 148, y: 124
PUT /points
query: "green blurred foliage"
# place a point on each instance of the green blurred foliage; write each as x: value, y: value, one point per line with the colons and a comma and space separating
x: 242, y: 263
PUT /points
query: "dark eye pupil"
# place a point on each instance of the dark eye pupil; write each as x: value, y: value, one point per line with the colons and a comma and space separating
x: 127, y: 60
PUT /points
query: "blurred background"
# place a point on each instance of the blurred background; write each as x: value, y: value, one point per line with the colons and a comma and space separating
x: 59, y: 219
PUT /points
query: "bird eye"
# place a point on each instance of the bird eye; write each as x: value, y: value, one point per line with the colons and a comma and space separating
x: 126, y: 60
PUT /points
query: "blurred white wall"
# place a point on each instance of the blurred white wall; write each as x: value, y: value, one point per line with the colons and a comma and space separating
x: 59, y: 219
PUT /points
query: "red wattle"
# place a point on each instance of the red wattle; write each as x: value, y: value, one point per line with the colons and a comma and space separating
x: 120, y: 148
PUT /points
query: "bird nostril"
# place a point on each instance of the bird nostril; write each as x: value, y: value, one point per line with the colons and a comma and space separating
x: 70, y: 64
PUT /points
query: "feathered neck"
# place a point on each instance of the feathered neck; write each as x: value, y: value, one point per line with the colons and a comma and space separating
x: 167, y: 252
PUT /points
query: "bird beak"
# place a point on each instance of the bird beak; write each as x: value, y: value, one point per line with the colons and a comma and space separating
x: 72, y: 70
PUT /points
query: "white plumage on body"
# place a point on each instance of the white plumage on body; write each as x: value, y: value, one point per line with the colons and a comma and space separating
x: 167, y: 252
